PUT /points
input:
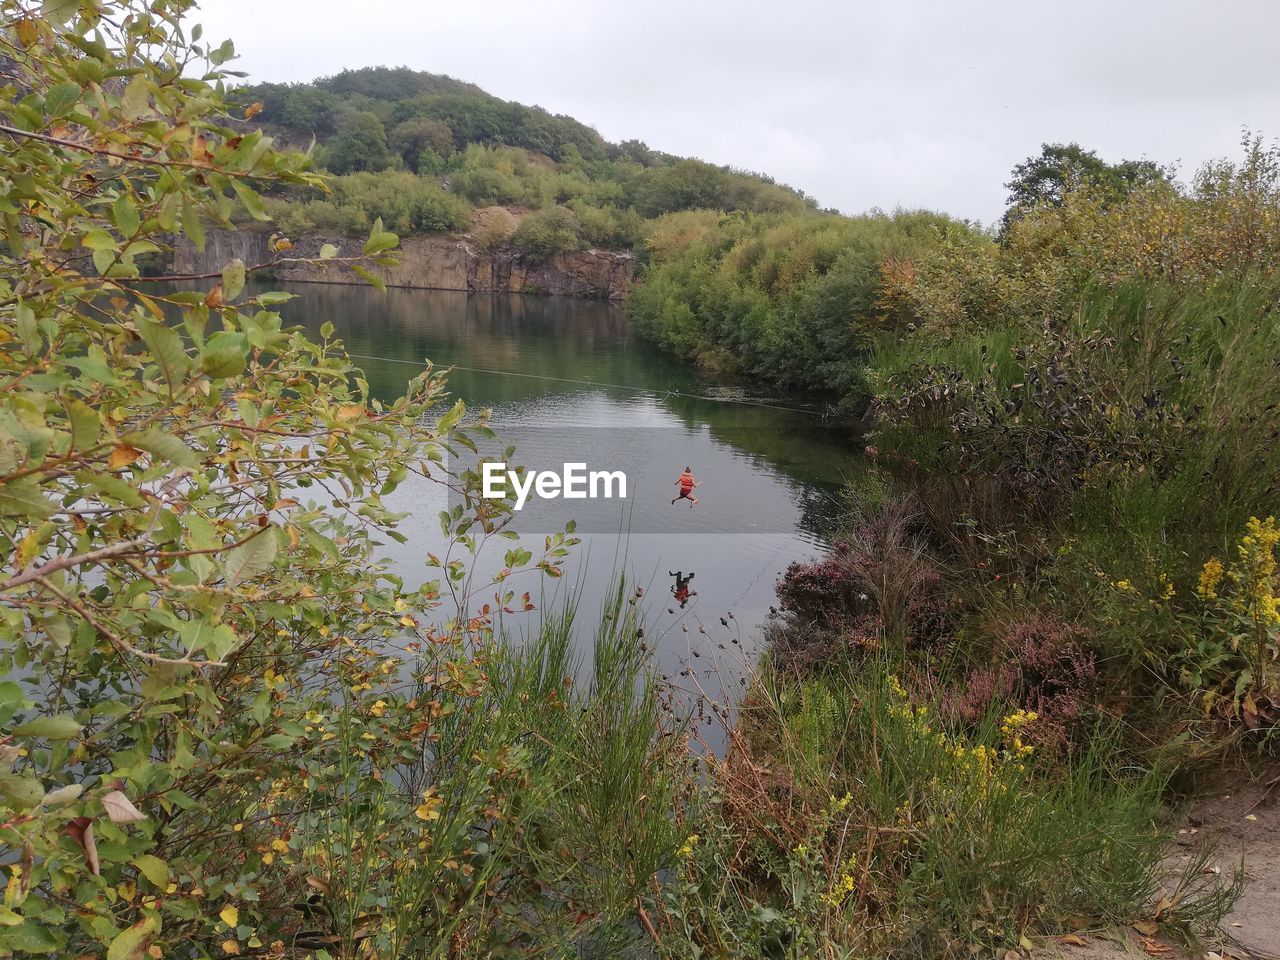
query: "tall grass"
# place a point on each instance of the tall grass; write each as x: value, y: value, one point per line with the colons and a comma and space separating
x: 860, y: 822
x: 548, y: 793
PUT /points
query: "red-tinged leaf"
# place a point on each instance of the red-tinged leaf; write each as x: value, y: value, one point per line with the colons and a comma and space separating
x: 80, y: 829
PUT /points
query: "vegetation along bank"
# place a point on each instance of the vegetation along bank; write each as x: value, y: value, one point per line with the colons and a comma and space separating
x: 228, y: 730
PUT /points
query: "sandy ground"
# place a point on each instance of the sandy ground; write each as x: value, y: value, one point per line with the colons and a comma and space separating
x: 1245, y: 822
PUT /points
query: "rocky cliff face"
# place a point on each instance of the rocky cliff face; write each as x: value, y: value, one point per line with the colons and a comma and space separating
x: 430, y: 263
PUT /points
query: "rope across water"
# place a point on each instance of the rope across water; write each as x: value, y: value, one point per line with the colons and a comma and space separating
x: 612, y: 386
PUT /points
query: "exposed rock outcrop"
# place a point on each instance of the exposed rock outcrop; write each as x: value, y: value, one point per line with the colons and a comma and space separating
x: 430, y: 263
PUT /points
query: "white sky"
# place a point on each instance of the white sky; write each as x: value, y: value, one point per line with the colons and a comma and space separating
x: 861, y: 104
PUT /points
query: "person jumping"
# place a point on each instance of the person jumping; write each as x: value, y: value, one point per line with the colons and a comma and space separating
x: 687, y: 483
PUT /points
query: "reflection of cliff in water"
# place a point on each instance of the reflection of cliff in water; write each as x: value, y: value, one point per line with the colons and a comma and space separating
x: 512, y: 351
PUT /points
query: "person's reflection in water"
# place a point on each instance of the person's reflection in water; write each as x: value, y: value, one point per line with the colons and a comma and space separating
x: 680, y: 590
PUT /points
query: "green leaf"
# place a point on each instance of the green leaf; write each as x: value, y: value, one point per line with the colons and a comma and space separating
x: 10, y: 694
x: 232, y: 279
x: 125, y: 215
x: 29, y: 938
x: 165, y: 344
x: 62, y: 726
x: 135, y: 102
x: 249, y: 197
x: 369, y: 277
x: 379, y: 240
x: 8, y: 918
x: 27, y: 328
x: 99, y: 239
x: 61, y: 97
x: 24, y: 498
x: 153, y: 868
x: 59, y: 11
x: 192, y: 226
x: 252, y: 558
x: 103, y: 261
x: 226, y: 50
x: 131, y: 943
x: 84, y: 423
x: 278, y: 741
x: 328, y: 251
x: 163, y: 445
x: 224, y: 355
x: 20, y: 792
x: 63, y: 795
x: 216, y: 639
x: 103, y: 484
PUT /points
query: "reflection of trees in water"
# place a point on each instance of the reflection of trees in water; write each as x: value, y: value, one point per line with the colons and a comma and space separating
x: 796, y: 445
x: 565, y: 340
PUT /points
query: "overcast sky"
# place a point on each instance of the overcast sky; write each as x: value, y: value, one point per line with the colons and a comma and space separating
x: 861, y: 104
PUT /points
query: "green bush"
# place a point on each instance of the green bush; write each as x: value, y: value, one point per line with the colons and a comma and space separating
x: 851, y: 819
x: 548, y: 231
x: 404, y: 202
x: 796, y: 300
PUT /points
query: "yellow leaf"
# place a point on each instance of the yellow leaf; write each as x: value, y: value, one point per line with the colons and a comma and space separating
x: 122, y: 456
x: 1147, y: 928
x: 28, y: 31
x: 253, y: 109
x: 279, y: 846
x: 350, y: 411
x: 230, y: 915
x: 231, y: 948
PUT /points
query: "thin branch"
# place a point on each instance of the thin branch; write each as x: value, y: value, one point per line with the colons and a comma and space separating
x: 74, y: 560
x: 178, y: 277
x: 117, y: 641
x: 119, y: 155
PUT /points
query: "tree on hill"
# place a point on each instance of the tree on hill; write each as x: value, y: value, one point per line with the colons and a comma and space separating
x: 414, y: 138
x: 1046, y: 177
x: 359, y: 145
x: 395, y: 84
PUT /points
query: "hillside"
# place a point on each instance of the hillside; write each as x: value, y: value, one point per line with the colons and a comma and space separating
x: 431, y: 154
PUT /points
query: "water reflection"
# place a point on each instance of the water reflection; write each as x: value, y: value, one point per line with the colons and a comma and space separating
x: 770, y: 476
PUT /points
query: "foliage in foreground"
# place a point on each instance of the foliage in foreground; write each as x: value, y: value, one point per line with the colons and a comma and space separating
x: 852, y: 818
x: 228, y: 729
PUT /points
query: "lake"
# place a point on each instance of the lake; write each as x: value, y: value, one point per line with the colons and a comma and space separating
x: 569, y: 380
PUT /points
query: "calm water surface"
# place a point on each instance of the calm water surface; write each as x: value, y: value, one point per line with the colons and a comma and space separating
x: 770, y: 476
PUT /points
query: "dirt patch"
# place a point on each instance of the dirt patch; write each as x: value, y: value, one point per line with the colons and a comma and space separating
x: 1244, y: 821
x: 491, y: 226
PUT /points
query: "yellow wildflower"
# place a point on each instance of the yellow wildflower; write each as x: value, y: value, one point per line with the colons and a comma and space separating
x: 686, y: 849
x: 1210, y: 578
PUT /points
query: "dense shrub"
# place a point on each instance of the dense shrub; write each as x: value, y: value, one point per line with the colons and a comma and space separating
x: 405, y: 203
x: 795, y: 300
x: 1100, y: 375
x: 548, y: 231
